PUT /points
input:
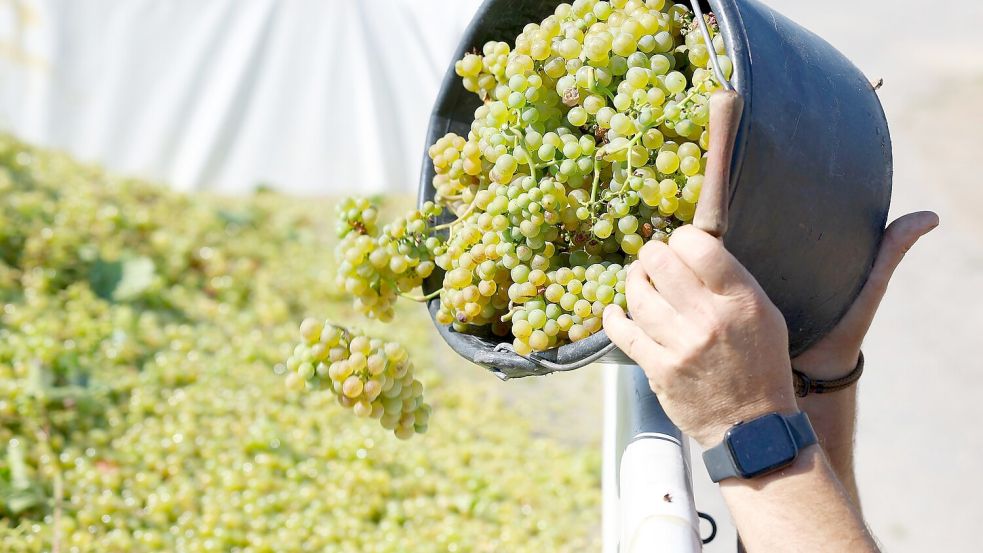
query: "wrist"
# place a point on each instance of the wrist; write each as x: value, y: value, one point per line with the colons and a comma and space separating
x: 809, y: 460
x: 827, y: 365
x: 714, y: 434
x: 761, y: 446
x: 806, y: 385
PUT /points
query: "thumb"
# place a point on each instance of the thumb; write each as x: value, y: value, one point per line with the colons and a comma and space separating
x: 899, y: 237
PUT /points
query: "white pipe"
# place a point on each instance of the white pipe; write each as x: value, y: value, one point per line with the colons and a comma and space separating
x: 657, y: 508
x: 647, y: 487
x: 610, y: 524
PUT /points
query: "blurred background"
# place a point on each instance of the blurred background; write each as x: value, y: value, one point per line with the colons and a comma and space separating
x: 325, y: 97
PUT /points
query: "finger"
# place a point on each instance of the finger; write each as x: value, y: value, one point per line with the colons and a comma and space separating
x: 674, y: 280
x: 632, y: 340
x: 648, y: 308
x: 707, y: 257
x: 899, y: 237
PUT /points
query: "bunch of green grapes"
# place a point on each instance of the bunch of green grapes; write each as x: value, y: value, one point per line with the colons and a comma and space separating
x: 371, y: 377
x: 376, y: 266
x: 458, y: 171
x: 591, y: 140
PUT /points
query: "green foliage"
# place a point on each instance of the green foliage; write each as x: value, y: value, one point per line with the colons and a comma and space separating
x: 121, y: 280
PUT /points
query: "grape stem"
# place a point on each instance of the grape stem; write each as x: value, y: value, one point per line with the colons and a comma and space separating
x: 422, y: 299
x: 463, y: 216
x: 508, y: 316
x: 597, y: 179
x: 593, y: 86
x: 517, y: 135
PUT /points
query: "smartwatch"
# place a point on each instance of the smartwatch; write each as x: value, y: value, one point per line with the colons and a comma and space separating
x: 759, y: 446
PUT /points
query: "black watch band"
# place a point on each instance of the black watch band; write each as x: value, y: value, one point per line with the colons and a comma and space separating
x: 805, y: 385
x: 759, y: 446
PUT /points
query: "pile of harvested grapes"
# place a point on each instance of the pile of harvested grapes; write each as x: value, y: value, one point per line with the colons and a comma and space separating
x: 139, y: 408
x: 591, y: 139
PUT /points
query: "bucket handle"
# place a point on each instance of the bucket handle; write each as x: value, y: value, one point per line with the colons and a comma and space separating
x: 726, y: 107
x: 705, y: 31
x: 556, y: 367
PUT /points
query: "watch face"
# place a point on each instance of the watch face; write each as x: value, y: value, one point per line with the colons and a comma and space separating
x: 761, y: 445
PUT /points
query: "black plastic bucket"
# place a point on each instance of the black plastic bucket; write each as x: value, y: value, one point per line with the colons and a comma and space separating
x: 810, y: 182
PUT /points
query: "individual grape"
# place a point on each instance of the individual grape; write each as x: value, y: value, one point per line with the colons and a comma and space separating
x: 577, y: 116
x: 539, y: 340
x: 631, y: 244
x: 603, y: 228
x: 667, y: 162
x: 628, y: 224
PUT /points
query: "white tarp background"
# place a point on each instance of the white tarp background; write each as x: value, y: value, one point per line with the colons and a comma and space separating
x: 308, y: 96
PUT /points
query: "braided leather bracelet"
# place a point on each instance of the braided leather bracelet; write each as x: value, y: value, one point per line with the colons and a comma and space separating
x: 805, y: 385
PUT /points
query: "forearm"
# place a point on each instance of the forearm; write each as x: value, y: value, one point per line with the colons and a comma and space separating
x: 802, y: 508
x: 834, y: 418
x: 833, y: 415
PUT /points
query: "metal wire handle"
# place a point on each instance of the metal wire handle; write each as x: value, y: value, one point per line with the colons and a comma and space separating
x: 555, y: 367
x: 701, y: 21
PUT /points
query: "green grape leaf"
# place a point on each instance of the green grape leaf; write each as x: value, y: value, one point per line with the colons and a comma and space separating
x: 16, y: 501
x: 237, y: 218
x: 18, y: 492
x: 19, y: 479
x: 39, y: 380
x: 121, y: 280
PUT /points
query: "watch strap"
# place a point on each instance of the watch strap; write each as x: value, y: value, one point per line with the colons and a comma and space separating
x: 720, y: 463
x: 801, y: 428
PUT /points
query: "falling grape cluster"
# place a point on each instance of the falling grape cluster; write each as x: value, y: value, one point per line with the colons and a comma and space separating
x: 139, y: 411
x: 590, y: 140
x: 378, y: 265
x: 371, y: 377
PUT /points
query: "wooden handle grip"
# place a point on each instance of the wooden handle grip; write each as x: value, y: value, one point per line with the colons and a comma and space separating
x: 726, y: 107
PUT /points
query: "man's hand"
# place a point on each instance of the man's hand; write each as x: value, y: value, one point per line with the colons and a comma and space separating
x: 714, y: 347
x: 715, y: 350
x: 833, y: 415
x: 836, y: 354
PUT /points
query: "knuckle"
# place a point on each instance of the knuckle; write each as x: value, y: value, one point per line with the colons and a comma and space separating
x: 700, y: 249
x: 714, y: 328
x: 692, y: 237
x: 763, y: 308
x: 653, y: 253
x: 636, y: 284
x: 688, y: 357
x: 634, y: 348
x: 682, y: 233
x: 703, y: 336
x: 751, y: 303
